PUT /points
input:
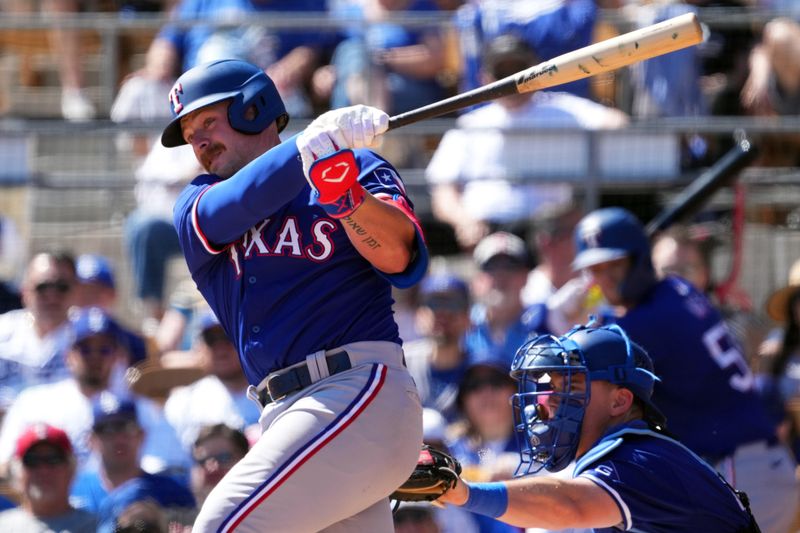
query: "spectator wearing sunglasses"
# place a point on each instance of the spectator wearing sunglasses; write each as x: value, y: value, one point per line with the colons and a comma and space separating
x: 483, y: 438
x: 68, y: 403
x: 34, y: 339
x: 438, y: 360
x: 215, y: 451
x: 96, y: 287
x: 117, y: 438
x: 44, y: 466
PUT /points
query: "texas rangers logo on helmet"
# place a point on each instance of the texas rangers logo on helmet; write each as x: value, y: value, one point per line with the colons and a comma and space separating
x: 175, y: 99
x: 590, y: 234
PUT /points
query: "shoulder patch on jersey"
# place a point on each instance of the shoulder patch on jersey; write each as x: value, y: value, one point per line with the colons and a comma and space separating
x: 388, y: 177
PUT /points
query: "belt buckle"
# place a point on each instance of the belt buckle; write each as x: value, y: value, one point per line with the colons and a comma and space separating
x: 268, y: 388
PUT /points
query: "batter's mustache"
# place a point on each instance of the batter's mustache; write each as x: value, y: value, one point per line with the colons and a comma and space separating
x: 210, y: 152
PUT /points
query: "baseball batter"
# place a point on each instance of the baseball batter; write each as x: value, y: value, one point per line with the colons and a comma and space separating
x: 295, y: 245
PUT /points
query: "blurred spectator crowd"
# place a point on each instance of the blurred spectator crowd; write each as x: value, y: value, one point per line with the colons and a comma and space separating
x: 110, y: 423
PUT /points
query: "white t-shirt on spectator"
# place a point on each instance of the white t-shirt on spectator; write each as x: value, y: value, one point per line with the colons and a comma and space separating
x: 26, y: 359
x: 206, y: 402
x: 489, y: 161
x: 63, y: 405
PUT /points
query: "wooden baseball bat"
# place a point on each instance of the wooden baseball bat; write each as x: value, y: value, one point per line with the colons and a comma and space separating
x: 655, y: 40
x: 721, y: 173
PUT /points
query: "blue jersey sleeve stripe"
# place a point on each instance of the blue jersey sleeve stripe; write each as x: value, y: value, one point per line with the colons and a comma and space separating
x: 199, y: 232
x: 623, y: 507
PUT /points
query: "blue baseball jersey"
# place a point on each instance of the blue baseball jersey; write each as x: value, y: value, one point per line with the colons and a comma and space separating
x: 659, y: 484
x: 280, y: 274
x: 707, y: 391
x: 165, y: 491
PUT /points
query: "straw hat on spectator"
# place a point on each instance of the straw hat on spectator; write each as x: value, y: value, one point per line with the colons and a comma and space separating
x: 778, y: 302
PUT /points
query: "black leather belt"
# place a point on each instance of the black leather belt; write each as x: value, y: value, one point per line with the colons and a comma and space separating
x: 294, y: 379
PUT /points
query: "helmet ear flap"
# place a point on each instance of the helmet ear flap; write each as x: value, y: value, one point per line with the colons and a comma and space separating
x: 237, y: 114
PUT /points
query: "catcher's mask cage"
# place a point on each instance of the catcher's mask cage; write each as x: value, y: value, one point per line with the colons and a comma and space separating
x: 244, y: 84
x: 548, y: 414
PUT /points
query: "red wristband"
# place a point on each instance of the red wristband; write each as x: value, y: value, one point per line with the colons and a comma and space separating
x: 346, y: 203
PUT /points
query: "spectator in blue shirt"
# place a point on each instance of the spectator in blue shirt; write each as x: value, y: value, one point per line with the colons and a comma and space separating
x: 117, y: 439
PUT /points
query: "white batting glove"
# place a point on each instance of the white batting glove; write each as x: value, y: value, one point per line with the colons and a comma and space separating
x: 349, y: 127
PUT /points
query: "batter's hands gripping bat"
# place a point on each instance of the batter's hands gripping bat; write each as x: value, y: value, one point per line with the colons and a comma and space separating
x: 655, y: 40
x: 704, y: 186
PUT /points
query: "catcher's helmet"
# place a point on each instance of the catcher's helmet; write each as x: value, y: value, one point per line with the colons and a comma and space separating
x: 548, y: 437
x: 227, y: 79
x: 612, y: 233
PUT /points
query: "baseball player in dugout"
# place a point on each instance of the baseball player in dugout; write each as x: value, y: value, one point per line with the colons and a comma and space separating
x: 295, y: 245
x: 586, y: 396
x: 706, y: 391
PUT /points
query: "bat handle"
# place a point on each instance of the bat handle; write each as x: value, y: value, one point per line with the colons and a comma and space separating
x: 497, y: 89
x: 719, y: 174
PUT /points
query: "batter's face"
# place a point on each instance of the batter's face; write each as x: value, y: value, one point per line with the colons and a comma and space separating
x: 609, y: 277
x: 219, y: 148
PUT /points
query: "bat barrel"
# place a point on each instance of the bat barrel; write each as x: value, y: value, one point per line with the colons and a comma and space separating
x: 716, y: 176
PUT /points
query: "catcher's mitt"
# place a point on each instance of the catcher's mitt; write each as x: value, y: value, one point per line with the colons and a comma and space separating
x: 436, y: 473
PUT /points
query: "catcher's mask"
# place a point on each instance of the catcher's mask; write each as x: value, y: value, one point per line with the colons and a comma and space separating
x: 548, y: 413
x: 245, y: 85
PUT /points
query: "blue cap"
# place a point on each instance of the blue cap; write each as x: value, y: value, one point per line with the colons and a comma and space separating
x: 436, y: 287
x: 108, y: 407
x: 90, y: 321
x: 91, y: 268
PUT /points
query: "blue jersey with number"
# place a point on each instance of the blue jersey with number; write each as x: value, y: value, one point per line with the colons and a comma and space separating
x: 707, y: 391
x: 283, y: 277
x: 659, y: 485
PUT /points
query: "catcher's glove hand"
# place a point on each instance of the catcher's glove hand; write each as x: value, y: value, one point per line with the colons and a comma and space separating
x: 436, y: 473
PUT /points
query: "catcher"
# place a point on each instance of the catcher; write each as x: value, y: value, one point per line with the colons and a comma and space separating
x: 586, y: 397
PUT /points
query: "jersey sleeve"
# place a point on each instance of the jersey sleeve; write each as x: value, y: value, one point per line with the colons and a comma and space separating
x: 641, y: 488
x: 197, y: 249
x: 211, y: 213
x: 381, y: 180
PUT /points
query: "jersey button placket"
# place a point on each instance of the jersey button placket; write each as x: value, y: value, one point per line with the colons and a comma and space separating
x: 255, y: 329
x: 251, y: 280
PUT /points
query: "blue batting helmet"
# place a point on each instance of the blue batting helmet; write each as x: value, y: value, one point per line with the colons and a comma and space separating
x: 612, y: 233
x: 227, y: 79
x: 548, y: 419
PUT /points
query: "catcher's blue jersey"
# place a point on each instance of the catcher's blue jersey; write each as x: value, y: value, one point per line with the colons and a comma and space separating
x: 707, y: 391
x: 282, y: 277
x: 659, y: 485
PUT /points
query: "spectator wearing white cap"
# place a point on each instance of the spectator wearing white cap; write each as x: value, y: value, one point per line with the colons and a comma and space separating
x: 44, y: 466
x: 500, y: 323
x: 68, y: 403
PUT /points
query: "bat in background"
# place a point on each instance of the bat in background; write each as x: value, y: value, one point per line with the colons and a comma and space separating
x: 718, y: 175
x: 655, y: 40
